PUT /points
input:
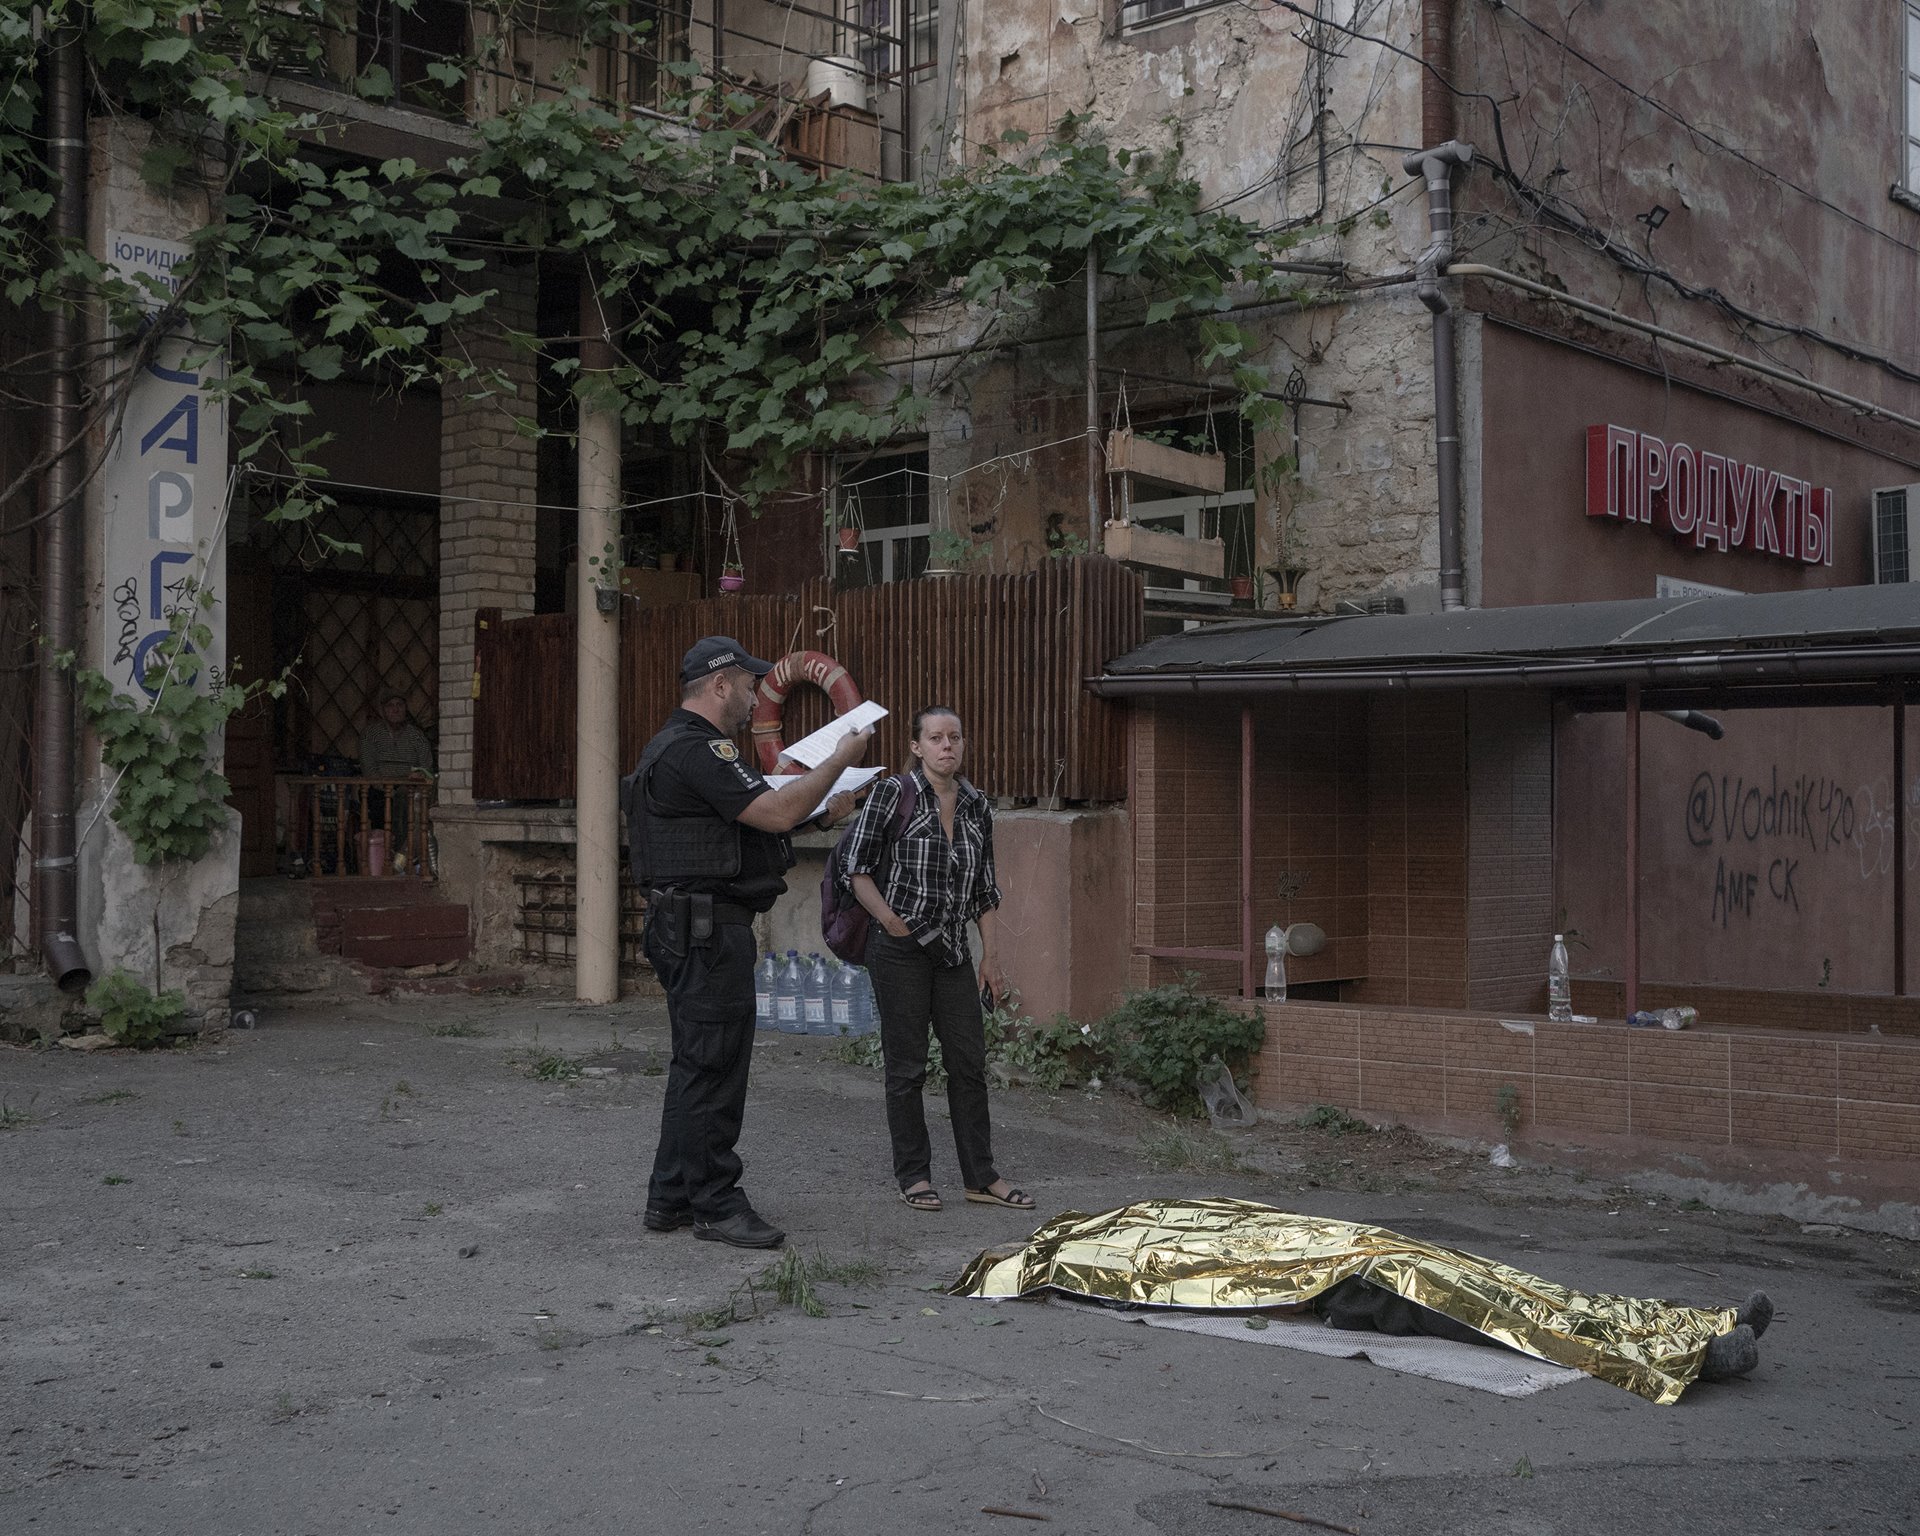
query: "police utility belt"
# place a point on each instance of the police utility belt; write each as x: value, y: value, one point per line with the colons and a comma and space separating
x: 683, y: 920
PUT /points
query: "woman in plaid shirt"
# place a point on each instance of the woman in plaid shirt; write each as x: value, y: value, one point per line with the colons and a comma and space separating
x: 921, y: 888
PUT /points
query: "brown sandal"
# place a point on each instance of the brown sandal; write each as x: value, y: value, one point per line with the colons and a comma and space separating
x: 927, y: 1199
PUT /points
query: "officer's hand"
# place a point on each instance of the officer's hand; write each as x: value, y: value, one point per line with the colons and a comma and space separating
x: 850, y: 748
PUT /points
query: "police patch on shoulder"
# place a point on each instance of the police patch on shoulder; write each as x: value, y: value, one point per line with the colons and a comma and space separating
x: 726, y: 751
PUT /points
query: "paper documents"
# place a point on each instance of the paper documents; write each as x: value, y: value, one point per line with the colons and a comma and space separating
x: 815, y: 749
x: 850, y: 781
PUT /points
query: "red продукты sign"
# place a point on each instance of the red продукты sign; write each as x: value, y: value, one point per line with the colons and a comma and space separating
x: 1707, y: 499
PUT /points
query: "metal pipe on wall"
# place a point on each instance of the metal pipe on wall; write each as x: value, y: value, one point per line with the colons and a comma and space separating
x: 1632, y: 830
x: 1246, y: 850
x: 1900, y: 846
x: 596, y: 797
x: 1436, y: 53
x: 56, y: 884
x: 1436, y: 165
x: 1094, y: 519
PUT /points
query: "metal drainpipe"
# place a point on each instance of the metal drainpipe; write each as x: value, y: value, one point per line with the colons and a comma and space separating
x: 55, y: 876
x: 1437, y: 165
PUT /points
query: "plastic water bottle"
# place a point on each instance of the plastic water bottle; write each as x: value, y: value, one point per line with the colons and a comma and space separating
x: 786, y: 996
x: 1559, y: 982
x: 1276, y: 964
x: 866, y: 1011
x: 765, y: 976
x: 840, y: 1000
x: 814, y: 999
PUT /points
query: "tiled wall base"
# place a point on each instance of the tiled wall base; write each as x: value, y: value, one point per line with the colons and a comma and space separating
x: 1854, y: 1096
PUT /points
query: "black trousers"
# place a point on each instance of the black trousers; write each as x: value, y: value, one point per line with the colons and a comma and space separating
x: 915, y: 991
x: 710, y: 1005
x: 1361, y: 1305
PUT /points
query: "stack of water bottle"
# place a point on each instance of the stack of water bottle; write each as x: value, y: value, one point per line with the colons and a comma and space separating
x: 813, y: 995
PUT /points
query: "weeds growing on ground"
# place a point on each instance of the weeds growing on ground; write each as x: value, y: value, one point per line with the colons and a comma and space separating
x: 456, y: 1031
x: 434, y: 1208
x: 12, y: 1119
x: 117, y: 1096
x: 553, y: 1068
x: 256, y: 1274
x: 1332, y: 1118
x: 789, y: 1279
x: 1172, y: 1150
x: 116, y: 1178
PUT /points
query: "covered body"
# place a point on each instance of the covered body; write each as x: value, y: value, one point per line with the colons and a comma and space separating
x: 1237, y: 1254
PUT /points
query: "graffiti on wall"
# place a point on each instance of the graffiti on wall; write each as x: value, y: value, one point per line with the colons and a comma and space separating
x: 1761, y: 832
x: 165, y: 482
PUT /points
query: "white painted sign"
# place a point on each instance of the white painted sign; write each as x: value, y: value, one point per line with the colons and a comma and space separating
x: 165, y: 484
x: 1680, y: 586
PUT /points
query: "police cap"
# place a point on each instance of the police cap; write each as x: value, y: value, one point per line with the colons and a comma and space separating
x: 715, y: 654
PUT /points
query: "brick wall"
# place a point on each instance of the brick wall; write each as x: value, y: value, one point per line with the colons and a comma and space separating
x: 487, y: 544
x: 1309, y: 832
x: 1510, y: 922
x: 1416, y: 850
x: 1850, y: 1096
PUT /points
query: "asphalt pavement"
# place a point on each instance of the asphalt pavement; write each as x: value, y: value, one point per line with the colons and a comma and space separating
x: 378, y: 1266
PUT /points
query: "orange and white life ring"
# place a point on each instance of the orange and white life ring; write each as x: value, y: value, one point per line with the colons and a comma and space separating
x: 814, y: 667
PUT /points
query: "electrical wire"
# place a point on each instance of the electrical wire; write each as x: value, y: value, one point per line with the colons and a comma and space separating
x: 1509, y: 8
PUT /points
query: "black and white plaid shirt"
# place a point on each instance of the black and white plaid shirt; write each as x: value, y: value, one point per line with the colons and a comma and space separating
x: 937, y: 887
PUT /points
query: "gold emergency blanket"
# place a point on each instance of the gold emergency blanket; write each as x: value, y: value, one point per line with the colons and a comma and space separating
x: 1233, y: 1253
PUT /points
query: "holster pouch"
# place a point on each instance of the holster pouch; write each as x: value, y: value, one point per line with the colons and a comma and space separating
x: 699, y: 920
x: 669, y: 917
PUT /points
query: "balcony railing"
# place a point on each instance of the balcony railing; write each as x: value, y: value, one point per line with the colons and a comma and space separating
x: 359, y: 826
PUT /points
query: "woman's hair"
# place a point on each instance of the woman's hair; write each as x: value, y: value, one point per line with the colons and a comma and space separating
x: 922, y: 716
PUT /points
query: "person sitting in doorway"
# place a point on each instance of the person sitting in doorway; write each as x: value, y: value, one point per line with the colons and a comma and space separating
x: 393, y: 747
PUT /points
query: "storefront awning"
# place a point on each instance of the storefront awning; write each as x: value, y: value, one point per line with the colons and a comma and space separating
x: 1841, y: 635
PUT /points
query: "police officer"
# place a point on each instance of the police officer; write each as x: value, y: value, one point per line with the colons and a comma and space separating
x: 708, y: 838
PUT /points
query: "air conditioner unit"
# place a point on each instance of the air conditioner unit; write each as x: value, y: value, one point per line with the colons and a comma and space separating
x: 1896, y: 534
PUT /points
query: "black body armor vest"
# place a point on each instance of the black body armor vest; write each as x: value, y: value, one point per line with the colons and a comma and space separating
x: 672, y: 850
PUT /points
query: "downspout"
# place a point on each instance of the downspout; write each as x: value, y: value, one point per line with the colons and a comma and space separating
x: 56, y: 883
x: 1437, y: 165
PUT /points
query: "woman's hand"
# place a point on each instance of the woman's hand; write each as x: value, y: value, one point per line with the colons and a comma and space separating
x: 896, y: 925
x: 837, y: 809
x: 993, y: 980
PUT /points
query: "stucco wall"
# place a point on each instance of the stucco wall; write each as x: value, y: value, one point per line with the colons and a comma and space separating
x: 1769, y: 133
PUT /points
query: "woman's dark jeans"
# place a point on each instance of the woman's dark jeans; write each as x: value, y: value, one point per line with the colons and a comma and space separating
x: 914, y: 991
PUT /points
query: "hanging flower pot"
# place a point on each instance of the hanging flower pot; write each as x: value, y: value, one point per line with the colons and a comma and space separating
x: 849, y: 538
x: 732, y: 581
x: 1241, y: 587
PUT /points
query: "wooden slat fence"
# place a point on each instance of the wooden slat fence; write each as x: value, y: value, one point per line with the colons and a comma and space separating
x: 1009, y: 653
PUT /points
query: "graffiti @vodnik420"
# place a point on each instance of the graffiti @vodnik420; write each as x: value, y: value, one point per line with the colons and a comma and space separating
x: 1799, y: 816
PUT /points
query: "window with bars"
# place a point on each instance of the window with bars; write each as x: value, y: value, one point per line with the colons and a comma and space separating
x: 874, y: 29
x: 1142, y: 13
x: 407, y: 40
x: 636, y: 66
x: 1909, y: 179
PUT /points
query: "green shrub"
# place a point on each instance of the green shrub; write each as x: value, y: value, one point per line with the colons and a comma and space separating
x: 1161, y: 1038
x: 129, y: 1013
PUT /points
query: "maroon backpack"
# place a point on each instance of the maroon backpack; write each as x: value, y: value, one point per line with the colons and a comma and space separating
x: 844, y: 923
